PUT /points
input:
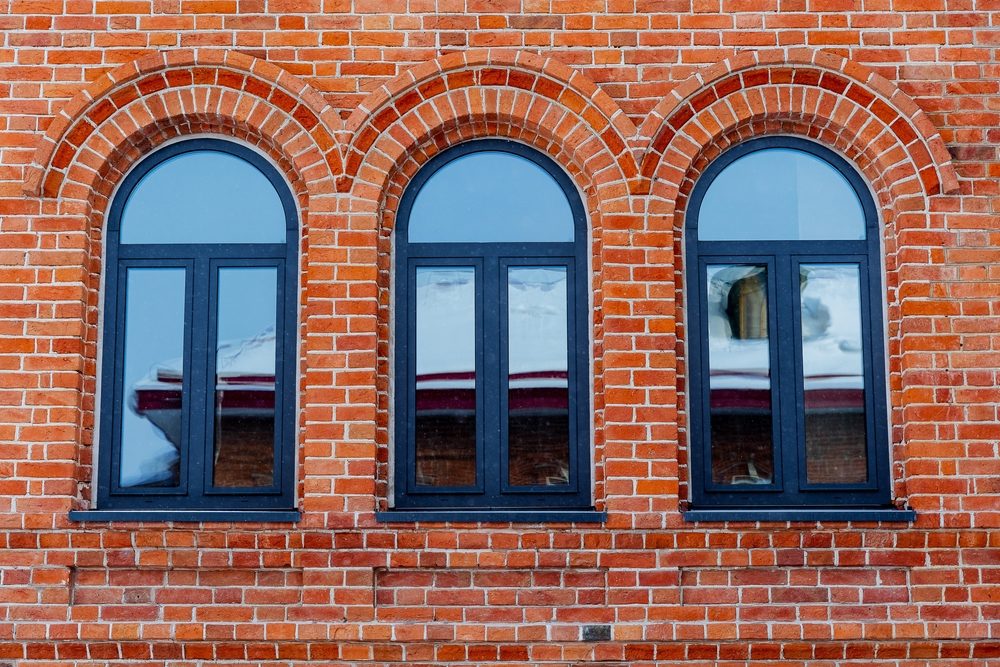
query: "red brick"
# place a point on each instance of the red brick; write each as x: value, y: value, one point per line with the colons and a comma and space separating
x: 606, y: 89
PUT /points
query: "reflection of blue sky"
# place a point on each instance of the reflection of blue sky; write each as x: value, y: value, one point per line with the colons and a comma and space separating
x: 490, y: 196
x: 446, y: 319
x: 203, y: 197
x: 247, y: 303
x: 154, y: 332
x: 536, y: 303
x: 780, y: 193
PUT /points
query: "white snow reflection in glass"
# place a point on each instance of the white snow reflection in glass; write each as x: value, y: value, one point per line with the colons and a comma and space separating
x: 488, y: 197
x: 780, y: 194
x: 445, y: 420
x: 153, y: 379
x: 740, y: 374
x: 836, y: 446
x: 537, y: 389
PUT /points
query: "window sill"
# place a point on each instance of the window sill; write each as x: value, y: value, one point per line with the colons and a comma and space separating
x: 803, y: 514
x: 491, y: 516
x: 231, y: 516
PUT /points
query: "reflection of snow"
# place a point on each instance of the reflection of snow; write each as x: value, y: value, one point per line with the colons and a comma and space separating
x: 536, y: 304
x: 537, y: 338
x: 737, y: 363
x: 245, y: 387
x: 246, y: 363
x: 446, y: 320
x: 831, y: 351
x: 446, y: 325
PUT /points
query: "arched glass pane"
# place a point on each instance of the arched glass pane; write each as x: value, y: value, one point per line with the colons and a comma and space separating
x: 203, y: 196
x: 490, y: 196
x: 780, y: 194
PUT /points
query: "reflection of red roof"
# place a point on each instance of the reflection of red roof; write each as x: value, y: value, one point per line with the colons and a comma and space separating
x: 760, y: 399
x: 245, y: 380
x: 156, y: 399
x: 232, y: 399
x: 534, y: 390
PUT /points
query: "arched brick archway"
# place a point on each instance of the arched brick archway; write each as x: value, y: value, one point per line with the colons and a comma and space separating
x: 539, y: 103
x: 832, y: 89
x: 279, y: 101
x: 138, y: 107
x: 536, y: 76
x: 816, y: 95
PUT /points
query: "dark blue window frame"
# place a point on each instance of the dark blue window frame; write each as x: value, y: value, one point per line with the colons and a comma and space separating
x: 201, y: 263
x: 491, y: 259
x: 789, y: 488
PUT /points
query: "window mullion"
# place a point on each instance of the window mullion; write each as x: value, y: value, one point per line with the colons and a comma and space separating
x: 785, y: 365
x: 491, y: 338
x: 201, y: 376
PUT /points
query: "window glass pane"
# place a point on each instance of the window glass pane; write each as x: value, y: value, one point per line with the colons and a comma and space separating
x: 836, y: 451
x: 537, y: 389
x: 153, y: 377
x: 445, y: 420
x: 780, y: 194
x: 244, y: 377
x: 740, y: 374
x: 490, y: 196
x: 203, y: 197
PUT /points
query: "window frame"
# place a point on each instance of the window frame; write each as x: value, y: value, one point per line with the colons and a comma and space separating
x: 202, y: 261
x: 490, y: 259
x: 789, y: 489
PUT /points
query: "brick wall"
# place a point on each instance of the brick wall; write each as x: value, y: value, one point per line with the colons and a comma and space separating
x: 633, y: 99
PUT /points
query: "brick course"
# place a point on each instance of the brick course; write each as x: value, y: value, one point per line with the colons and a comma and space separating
x: 634, y: 99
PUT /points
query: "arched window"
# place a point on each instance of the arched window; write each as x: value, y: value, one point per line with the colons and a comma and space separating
x: 491, y: 361
x: 198, y: 376
x: 787, y: 381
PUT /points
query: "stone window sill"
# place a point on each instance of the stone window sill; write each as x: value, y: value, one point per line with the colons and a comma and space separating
x: 801, y: 514
x: 228, y: 516
x: 490, y: 516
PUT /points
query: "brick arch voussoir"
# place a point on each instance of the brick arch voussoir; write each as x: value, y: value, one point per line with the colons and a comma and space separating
x: 402, y: 147
x: 488, y: 112
x: 542, y: 77
x: 803, y: 70
x: 183, y: 71
x: 869, y: 143
x: 85, y: 184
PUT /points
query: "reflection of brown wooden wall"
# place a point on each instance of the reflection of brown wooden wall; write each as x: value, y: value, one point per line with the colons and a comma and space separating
x: 539, y: 451
x: 746, y: 306
x: 446, y: 449
x: 737, y: 438
x: 835, y: 452
x: 835, y: 447
x: 245, y: 454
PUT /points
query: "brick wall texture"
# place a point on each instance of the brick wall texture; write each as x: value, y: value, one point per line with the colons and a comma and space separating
x: 633, y: 98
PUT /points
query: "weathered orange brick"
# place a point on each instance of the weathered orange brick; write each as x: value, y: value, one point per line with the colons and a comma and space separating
x: 634, y: 101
